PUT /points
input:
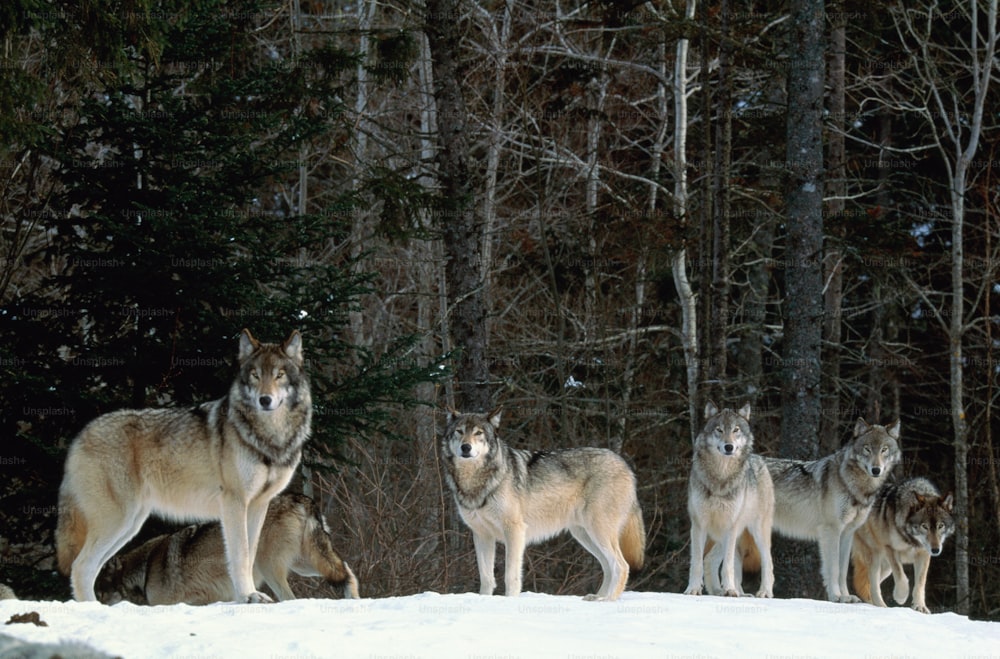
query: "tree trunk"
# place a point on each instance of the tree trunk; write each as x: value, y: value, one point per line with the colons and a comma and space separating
x: 803, y: 304
x: 836, y: 186
x: 718, y: 320
x: 462, y: 229
x: 803, y: 309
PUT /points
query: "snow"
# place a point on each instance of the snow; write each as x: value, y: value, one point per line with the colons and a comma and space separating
x: 640, y: 624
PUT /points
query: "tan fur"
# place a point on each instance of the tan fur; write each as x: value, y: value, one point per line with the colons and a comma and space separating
x: 189, y: 566
x: 908, y: 524
x: 521, y: 497
x: 221, y: 460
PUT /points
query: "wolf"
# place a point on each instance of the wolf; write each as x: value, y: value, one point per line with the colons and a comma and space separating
x: 520, y: 497
x: 909, y: 523
x: 729, y: 492
x: 222, y: 460
x: 189, y: 566
x: 829, y: 499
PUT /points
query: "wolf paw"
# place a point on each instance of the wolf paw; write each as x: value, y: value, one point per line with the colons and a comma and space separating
x: 921, y: 608
x: 901, y: 592
x: 730, y: 593
x: 258, y: 598
x: 595, y: 598
x: 764, y: 593
x: 693, y: 590
x: 847, y: 599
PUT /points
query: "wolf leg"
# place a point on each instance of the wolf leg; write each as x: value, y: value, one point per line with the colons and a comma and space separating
x: 761, y: 533
x: 105, y: 537
x: 844, y: 559
x: 696, y: 572
x: 485, y: 557
x: 239, y: 561
x: 920, y: 567
x: 514, y: 542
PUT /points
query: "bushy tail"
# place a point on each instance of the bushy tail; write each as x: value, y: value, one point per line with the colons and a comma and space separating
x: 633, y: 540
x: 862, y: 580
x: 71, y: 532
x: 350, y: 584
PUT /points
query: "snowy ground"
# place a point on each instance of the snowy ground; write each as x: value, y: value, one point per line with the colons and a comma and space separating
x: 439, y: 626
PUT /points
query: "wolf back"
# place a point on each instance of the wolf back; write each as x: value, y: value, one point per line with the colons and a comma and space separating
x: 521, y: 497
x: 189, y: 566
x: 909, y: 524
x: 223, y: 460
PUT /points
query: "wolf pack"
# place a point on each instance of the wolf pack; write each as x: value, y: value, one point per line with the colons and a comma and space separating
x: 225, y: 464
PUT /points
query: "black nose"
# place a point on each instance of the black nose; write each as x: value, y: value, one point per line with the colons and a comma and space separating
x: 265, y: 401
x: 876, y: 471
x: 466, y: 449
x: 935, y: 551
x: 728, y: 448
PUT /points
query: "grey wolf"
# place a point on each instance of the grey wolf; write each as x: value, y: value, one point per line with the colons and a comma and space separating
x: 223, y: 460
x: 729, y: 492
x: 909, y: 523
x: 189, y: 566
x: 521, y: 497
x: 829, y: 499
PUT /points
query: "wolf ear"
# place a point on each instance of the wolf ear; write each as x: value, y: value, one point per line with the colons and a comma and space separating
x: 711, y: 409
x: 450, y: 413
x: 893, y: 430
x: 494, y: 417
x: 860, y: 427
x: 745, y: 411
x: 293, y: 346
x: 247, y: 344
x: 948, y: 503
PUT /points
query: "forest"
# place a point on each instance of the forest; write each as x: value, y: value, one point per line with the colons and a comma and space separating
x: 598, y: 215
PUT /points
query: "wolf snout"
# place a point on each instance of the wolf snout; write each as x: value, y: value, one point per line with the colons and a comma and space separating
x: 935, y: 551
x: 466, y: 450
x: 265, y: 402
x: 876, y: 471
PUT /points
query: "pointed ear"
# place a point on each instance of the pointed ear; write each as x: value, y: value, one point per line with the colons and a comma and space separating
x: 860, y: 427
x: 494, y: 417
x: 711, y: 409
x: 450, y: 413
x: 247, y: 344
x: 948, y: 503
x: 745, y: 411
x: 293, y: 346
x: 893, y: 430
x: 921, y: 500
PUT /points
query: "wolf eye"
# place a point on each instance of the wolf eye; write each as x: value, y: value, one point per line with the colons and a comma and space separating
x: 479, y: 432
x: 885, y: 449
x: 254, y: 375
x: 280, y: 375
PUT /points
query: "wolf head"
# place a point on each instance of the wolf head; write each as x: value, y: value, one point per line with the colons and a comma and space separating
x: 271, y: 375
x: 727, y: 432
x: 470, y: 436
x: 929, y: 521
x: 875, y: 448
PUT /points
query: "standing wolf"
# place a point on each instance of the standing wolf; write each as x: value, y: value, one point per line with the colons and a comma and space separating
x: 729, y: 491
x: 521, y: 497
x: 828, y: 499
x: 189, y: 566
x: 908, y: 524
x: 221, y: 460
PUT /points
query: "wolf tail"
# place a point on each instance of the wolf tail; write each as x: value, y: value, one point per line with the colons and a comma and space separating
x: 71, y: 532
x: 862, y: 583
x: 350, y: 583
x: 633, y: 539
